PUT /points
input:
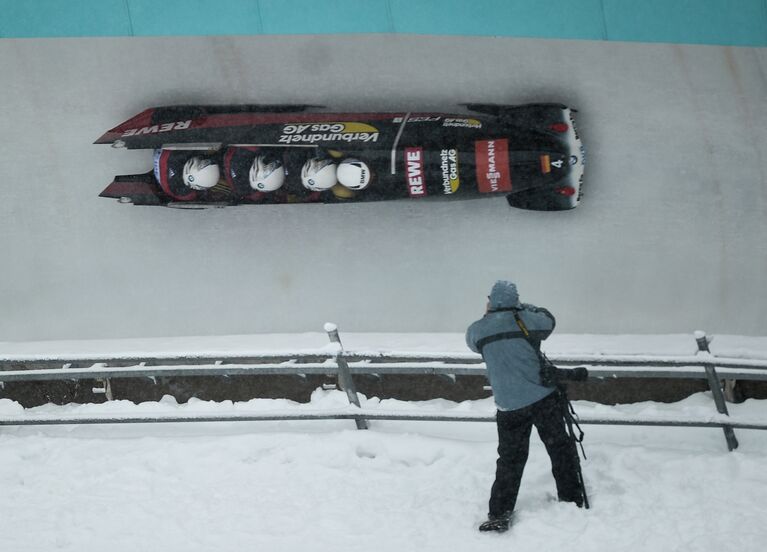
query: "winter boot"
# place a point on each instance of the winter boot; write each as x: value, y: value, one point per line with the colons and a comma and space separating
x: 498, y: 524
x: 577, y: 500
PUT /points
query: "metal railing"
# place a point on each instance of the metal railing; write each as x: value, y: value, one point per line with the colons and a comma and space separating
x: 344, y: 365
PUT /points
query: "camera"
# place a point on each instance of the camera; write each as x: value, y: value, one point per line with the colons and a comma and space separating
x: 579, y: 373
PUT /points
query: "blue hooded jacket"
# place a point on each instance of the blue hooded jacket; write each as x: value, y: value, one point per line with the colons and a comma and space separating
x: 513, y: 365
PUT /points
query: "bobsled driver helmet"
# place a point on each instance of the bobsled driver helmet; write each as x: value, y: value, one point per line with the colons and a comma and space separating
x: 354, y: 174
x: 266, y: 174
x: 318, y: 174
x: 200, y: 173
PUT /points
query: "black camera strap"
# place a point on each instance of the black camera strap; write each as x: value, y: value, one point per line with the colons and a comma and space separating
x: 548, y: 370
x: 549, y: 376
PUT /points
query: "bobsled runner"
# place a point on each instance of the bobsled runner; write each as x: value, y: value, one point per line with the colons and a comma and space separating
x: 223, y: 155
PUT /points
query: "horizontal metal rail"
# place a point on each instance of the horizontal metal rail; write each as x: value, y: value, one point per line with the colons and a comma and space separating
x: 16, y: 362
x: 354, y: 415
x: 333, y: 360
x: 140, y: 371
x: 684, y: 369
x: 7, y: 364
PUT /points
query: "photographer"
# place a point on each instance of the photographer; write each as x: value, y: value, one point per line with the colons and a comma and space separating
x: 508, y: 338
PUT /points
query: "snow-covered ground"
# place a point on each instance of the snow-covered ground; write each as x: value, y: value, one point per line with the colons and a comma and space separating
x: 323, y: 485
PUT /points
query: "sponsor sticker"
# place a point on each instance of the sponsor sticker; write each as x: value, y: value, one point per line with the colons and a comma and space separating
x: 156, y: 156
x: 154, y: 129
x: 423, y: 119
x: 462, y: 123
x: 545, y: 164
x: 416, y: 186
x: 302, y: 133
x: 449, y: 167
x: 493, y: 170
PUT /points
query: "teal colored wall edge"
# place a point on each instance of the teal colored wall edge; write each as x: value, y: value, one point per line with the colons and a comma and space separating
x: 721, y: 22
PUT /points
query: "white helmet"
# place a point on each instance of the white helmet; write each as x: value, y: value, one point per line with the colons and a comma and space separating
x: 354, y: 174
x: 318, y: 174
x: 266, y: 175
x: 200, y: 173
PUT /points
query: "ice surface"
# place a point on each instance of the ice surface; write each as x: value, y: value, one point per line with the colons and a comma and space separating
x: 669, y: 236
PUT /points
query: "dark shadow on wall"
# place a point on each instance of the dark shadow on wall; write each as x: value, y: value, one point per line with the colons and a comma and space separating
x: 300, y: 389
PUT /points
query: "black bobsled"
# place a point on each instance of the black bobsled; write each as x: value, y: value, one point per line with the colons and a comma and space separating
x: 530, y: 153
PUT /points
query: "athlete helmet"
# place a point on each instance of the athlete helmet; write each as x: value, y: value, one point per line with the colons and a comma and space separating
x: 266, y: 174
x: 200, y: 173
x: 354, y: 174
x: 318, y: 174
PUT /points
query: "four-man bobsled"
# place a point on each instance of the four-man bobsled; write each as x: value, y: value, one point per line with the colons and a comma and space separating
x: 266, y: 154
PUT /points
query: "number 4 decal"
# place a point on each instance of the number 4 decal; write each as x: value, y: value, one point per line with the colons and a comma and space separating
x: 558, y: 163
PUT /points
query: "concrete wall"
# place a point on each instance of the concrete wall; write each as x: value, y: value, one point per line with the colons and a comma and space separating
x: 670, y: 235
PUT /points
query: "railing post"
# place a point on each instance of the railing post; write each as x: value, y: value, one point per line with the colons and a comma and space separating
x: 106, y: 390
x: 716, y: 389
x: 732, y: 391
x: 345, y: 380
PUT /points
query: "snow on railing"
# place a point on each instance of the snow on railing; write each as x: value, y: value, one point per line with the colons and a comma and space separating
x: 334, y: 360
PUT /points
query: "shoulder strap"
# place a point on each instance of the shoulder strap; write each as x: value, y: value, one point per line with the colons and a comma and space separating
x: 547, y: 370
x: 534, y: 343
x: 521, y: 325
x: 497, y: 337
x: 523, y: 333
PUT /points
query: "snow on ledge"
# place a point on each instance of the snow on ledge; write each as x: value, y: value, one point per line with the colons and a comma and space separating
x: 390, y: 344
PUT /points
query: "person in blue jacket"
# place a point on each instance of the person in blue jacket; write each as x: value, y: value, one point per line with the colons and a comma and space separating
x: 508, y: 338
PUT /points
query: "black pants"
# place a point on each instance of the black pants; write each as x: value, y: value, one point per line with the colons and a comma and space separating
x: 514, y: 429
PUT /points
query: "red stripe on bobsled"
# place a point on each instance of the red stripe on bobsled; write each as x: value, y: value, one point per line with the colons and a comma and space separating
x: 252, y: 119
x: 142, y: 123
x: 132, y: 189
x: 143, y: 119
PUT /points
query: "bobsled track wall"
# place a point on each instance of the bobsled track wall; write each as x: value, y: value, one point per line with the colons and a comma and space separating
x: 669, y: 235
